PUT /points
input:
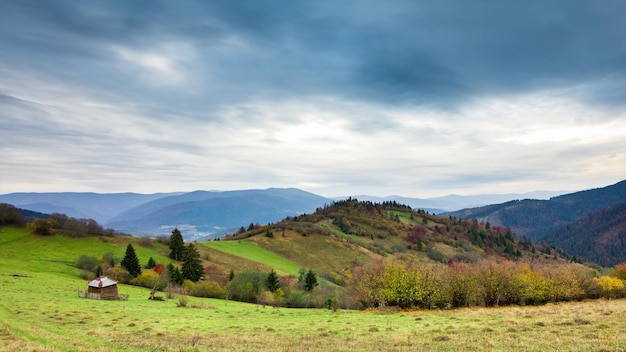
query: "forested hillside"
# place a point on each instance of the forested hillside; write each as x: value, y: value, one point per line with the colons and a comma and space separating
x: 599, y: 237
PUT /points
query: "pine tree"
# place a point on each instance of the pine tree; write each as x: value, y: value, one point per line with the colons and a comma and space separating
x: 273, y: 282
x: 174, y: 274
x: 310, y: 281
x: 151, y: 263
x: 177, y: 245
x: 131, y: 262
x: 192, y: 265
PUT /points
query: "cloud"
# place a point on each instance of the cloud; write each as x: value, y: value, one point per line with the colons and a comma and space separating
x: 406, y: 97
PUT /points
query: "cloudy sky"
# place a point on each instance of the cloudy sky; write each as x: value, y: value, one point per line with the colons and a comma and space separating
x: 415, y: 98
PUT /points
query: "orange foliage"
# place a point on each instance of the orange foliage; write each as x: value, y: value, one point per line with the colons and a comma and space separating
x: 159, y: 269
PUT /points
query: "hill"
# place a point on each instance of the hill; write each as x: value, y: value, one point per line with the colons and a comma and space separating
x: 536, y: 218
x: 349, y: 232
x: 598, y: 237
x: 204, y: 213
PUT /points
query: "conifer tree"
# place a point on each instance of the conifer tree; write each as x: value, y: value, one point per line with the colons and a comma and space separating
x: 192, y: 265
x: 177, y: 245
x: 310, y: 281
x: 131, y: 262
x: 273, y: 282
x: 151, y: 263
x: 174, y: 274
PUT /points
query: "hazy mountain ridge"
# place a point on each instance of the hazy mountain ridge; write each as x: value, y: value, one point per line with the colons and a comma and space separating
x: 98, y: 206
x: 454, y: 202
x: 204, y: 213
x: 140, y: 214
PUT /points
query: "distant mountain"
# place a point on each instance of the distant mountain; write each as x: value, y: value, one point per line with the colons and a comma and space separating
x: 98, y: 206
x: 598, y: 237
x: 202, y: 213
x: 536, y: 218
x: 454, y: 202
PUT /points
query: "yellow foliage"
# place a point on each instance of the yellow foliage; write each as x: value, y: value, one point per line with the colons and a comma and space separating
x: 612, y: 287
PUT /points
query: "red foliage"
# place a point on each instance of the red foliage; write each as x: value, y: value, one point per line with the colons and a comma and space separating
x: 159, y: 268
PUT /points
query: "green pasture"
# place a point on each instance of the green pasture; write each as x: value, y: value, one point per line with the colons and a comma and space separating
x: 41, y: 311
x: 251, y: 251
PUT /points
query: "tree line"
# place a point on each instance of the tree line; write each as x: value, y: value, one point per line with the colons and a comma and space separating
x: 411, y: 283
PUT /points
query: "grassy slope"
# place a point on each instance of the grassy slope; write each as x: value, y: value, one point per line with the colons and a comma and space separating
x: 319, y: 252
x: 251, y: 251
x: 40, y: 311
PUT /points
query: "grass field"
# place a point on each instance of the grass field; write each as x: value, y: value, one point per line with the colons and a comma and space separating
x: 40, y: 311
x: 249, y: 250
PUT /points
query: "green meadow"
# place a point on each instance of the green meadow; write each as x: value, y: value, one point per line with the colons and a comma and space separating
x: 251, y: 251
x: 41, y: 311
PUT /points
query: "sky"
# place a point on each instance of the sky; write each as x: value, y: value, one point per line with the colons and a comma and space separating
x: 335, y: 97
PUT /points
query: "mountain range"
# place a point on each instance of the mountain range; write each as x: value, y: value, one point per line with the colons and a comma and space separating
x: 590, y: 224
x: 586, y: 223
x: 213, y: 213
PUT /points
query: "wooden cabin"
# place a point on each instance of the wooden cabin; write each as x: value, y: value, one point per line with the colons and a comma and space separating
x: 102, y: 288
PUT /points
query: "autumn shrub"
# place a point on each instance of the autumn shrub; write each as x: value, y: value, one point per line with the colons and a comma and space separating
x: 208, y: 289
x: 567, y: 282
x: 266, y: 298
x: 620, y: 271
x: 149, y: 279
x: 464, y: 286
x: 119, y: 274
x: 498, y: 282
x: 188, y: 285
x: 533, y: 286
x: 611, y: 287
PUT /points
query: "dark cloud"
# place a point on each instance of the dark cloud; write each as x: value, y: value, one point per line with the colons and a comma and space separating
x: 411, y: 52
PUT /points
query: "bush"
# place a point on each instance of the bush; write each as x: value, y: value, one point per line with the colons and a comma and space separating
x: 246, y: 286
x: 87, y: 275
x: 299, y: 299
x: 188, y: 285
x: 266, y: 298
x: 208, y: 289
x: 182, y: 301
x: 118, y: 274
x: 149, y: 279
x: 42, y: 227
x: 87, y: 263
x: 436, y: 255
x: 612, y: 287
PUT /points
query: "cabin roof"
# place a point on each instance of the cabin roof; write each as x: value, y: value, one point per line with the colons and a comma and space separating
x: 102, y: 281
